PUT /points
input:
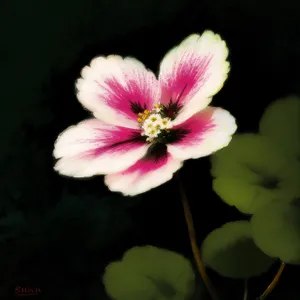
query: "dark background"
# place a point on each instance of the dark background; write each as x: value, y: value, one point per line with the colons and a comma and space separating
x: 58, y: 234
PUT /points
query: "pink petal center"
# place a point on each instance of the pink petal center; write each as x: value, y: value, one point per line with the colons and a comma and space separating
x: 129, y: 100
x: 186, y: 78
x: 114, y: 142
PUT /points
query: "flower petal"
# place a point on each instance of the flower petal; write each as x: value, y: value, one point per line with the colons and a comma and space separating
x: 93, y: 147
x: 116, y: 89
x: 193, y: 72
x: 145, y: 174
x: 204, y: 133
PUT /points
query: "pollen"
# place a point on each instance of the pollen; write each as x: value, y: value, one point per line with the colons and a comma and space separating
x: 153, y: 123
x: 158, y: 107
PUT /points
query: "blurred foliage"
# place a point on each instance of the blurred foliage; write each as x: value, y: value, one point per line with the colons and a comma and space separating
x: 231, y: 252
x: 150, y: 273
x: 281, y: 123
x: 276, y: 230
x: 259, y: 174
x: 251, y: 172
x: 256, y: 169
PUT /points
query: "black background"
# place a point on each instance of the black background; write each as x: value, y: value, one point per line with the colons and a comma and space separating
x: 57, y: 233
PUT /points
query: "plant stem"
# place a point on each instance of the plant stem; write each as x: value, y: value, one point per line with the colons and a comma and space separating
x: 274, y: 282
x: 192, y: 235
x: 246, y: 290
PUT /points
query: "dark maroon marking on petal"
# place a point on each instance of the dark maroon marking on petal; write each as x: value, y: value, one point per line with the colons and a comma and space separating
x: 172, y: 109
x: 181, y: 93
x: 137, y: 107
x: 156, y: 152
x: 175, y: 135
x: 157, y: 158
x: 189, y: 74
x: 136, y: 138
x: 118, y: 97
x: 193, y: 130
x: 134, y: 106
x: 133, y: 141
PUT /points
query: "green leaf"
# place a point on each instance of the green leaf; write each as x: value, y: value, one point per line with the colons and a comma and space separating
x: 251, y: 172
x: 248, y: 156
x: 276, y: 230
x: 246, y: 197
x: 150, y: 273
x: 281, y: 123
x: 231, y: 252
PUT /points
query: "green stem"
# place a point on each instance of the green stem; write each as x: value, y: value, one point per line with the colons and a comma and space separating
x: 273, y: 283
x: 192, y: 235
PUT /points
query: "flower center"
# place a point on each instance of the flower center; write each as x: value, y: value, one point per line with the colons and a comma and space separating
x: 154, y: 123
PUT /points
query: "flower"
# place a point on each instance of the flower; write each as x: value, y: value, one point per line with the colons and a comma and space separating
x: 144, y: 128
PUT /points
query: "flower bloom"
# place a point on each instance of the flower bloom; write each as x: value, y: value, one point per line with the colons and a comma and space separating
x: 144, y: 127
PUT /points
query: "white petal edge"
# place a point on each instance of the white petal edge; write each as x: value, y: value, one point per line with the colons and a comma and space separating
x: 134, y: 184
x: 66, y: 150
x: 207, y: 42
x: 212, y: 141
x: 105, y: 67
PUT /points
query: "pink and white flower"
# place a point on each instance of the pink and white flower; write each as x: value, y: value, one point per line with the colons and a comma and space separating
x: 144, y: 127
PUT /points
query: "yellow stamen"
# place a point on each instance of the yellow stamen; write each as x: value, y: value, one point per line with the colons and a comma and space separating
x: 139, y: 120
x: 140, y: 114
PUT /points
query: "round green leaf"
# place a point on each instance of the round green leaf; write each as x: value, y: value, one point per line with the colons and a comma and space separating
x: 246, y: 197
x: 250, y: 157
x: 289, y: 185
x: 276, y: 230
x: 149, y: 273
x: 251, y: 172
x: 231, y: 252
x: 281, y: 123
